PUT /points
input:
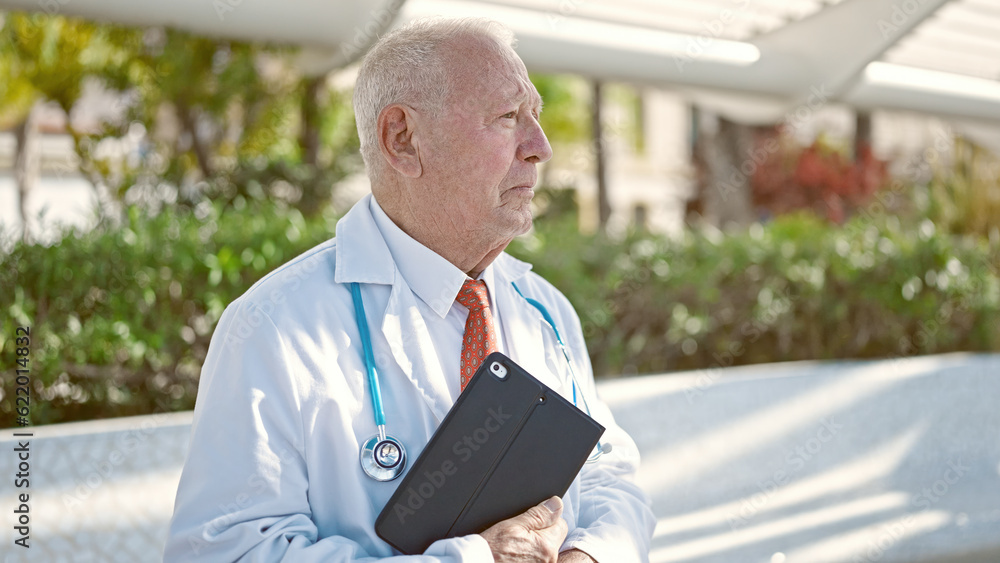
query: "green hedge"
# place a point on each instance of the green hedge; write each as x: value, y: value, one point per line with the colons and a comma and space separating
x: 795, y: 289
x: 121, y: 316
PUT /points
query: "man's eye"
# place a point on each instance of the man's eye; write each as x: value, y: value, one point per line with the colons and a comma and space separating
x: 509, y: 115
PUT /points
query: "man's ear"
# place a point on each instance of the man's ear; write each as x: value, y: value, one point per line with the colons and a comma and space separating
x: 396, y: 126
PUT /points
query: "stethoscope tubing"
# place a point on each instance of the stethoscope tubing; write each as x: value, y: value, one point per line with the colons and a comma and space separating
x: 562, y: 345
x: 366, y: 343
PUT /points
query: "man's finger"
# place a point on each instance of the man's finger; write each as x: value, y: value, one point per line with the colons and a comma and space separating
x: 542, y: 515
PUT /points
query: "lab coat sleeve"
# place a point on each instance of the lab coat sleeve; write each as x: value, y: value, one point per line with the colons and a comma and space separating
x: 243, y: 490
x: 615, y: 522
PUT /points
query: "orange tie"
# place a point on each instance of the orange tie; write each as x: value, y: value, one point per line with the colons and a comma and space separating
x: 479, y: 340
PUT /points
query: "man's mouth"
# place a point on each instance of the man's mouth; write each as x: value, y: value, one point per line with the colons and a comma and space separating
x: 524, y: 186
x: 522, y: 191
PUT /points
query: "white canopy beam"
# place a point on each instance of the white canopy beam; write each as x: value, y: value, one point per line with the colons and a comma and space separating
x: 830, y: 52
x: 333, y: 32
x: 826, y: 57
x: 830, y: 48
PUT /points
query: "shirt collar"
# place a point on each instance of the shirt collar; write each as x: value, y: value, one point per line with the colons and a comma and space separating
x: 429, y: 275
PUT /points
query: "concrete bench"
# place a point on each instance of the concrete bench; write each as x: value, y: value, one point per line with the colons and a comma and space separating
x: 893, y: 461
x: 100, y: 491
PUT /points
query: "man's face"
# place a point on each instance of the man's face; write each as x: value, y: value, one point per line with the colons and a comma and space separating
x: 481, y: 157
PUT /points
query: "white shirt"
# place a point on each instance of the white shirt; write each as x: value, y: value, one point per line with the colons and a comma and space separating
x: 435, y: 281
x: 283, y: 406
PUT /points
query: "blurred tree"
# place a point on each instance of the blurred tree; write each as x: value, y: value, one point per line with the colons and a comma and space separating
x: 191, y: 116
x: 577, y: 126
x: 26, y: 163
x: 963, y: 195
x: 566, y: 121
x: 227, y: 118
x: 566, y: 113
x: 41, y: 59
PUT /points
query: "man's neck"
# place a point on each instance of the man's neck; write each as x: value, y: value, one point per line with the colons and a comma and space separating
x: 468, y: 255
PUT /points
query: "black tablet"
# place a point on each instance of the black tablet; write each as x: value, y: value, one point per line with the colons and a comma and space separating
x: 508, y: 443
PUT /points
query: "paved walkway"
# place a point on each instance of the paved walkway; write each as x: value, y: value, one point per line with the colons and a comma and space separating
x: 890, y: 461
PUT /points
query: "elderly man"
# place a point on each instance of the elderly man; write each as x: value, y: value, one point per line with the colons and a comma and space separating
x: 449, y: 132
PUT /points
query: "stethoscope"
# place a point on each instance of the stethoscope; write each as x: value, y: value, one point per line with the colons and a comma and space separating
x: 383, y: 457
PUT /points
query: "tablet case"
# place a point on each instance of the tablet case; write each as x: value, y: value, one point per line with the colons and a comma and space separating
x: 506, y: 445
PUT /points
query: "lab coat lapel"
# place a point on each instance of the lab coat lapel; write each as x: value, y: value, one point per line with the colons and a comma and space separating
x: 362, y: 256
x: 531, y: 342
x: 414, y: 352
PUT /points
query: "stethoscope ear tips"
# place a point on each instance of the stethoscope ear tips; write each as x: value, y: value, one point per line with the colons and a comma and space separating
x: 599, y: 450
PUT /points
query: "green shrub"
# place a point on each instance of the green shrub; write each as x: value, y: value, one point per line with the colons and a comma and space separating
x: 964, y: 195
x: 121, y: 316
x: 798, y: 288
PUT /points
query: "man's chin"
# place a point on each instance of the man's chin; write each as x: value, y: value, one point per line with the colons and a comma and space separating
x: 515, y: 224
x: 525, y: 225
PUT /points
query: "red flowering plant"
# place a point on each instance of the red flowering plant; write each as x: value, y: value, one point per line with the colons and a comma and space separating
x: 816, y: 177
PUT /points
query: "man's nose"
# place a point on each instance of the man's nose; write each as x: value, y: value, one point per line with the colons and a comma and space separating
x: 535, y: 148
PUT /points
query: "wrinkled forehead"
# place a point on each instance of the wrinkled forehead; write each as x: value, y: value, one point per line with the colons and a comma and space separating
x: 484, y: 73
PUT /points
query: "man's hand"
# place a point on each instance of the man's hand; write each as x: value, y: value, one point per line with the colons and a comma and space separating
x: 534, y: 536
x: 575, y: 556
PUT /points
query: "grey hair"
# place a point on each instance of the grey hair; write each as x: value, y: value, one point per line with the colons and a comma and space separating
x: 406, y: 66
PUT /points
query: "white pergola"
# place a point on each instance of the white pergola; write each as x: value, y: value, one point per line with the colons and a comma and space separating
x: 751, y: 60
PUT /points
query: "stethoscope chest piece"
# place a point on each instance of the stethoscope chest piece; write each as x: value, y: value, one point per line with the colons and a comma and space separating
x: 383, y: 459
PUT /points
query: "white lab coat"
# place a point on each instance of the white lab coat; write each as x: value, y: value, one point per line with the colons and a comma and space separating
x: 283, y: 407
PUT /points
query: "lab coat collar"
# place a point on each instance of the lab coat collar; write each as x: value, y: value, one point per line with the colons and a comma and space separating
x: 509, y: 269
x: 362, y: 255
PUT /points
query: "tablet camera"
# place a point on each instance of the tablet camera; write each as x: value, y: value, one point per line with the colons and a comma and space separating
x: 498, y: 370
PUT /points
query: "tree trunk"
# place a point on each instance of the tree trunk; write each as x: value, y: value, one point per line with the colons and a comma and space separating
x: 27, y: 163
x: 309, y: 133
x: 694, y: 207
x: 603, y: 205
x: 190, y: 124
x: 862, y: 133
x: 728, y: 204
x: 315, y: 190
